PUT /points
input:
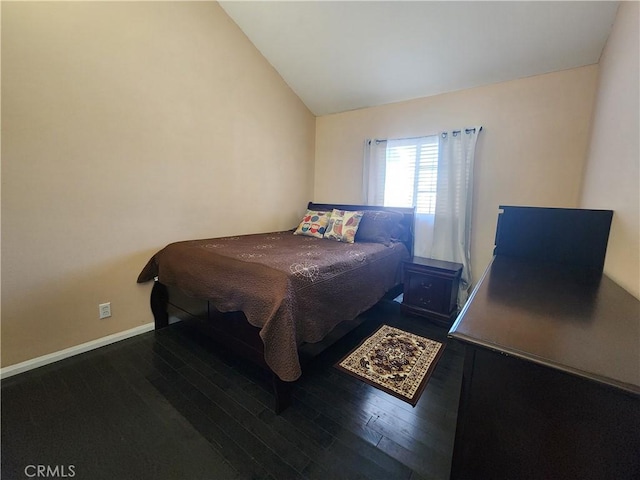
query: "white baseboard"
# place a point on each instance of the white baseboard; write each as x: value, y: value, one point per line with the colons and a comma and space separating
x: 71, y: 351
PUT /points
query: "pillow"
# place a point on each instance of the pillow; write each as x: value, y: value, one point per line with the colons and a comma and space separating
x: 343, y: 225
x: 313, y: 224
x: 400, y: 234
x: 379, y: 226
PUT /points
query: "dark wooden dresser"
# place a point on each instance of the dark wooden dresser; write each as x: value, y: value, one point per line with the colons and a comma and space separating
x: 551, y: 382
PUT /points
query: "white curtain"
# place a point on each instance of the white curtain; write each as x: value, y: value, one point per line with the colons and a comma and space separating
x: 452, y: 225
x: 373, y: 175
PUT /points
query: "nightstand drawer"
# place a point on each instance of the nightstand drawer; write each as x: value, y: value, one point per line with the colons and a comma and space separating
x: 426, y: 291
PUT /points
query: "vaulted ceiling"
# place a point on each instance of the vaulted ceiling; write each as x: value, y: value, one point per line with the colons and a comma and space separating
x: 340, y: 56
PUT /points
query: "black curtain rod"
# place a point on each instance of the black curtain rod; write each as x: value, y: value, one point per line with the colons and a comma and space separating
x: 466, y: 130
x: 444, y: 134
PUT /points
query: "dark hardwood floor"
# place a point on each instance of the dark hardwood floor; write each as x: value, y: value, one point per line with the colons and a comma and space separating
x: 168, y: 405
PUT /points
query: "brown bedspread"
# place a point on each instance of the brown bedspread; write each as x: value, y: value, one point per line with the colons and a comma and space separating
x: 295, y: 288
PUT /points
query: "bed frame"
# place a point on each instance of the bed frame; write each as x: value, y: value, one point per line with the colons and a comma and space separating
x: 232, y: 330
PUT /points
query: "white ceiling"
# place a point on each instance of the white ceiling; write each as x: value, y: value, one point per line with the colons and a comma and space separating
x: 340, y: 56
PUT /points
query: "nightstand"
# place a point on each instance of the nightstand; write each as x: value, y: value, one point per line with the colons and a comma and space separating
x: 431, y: 289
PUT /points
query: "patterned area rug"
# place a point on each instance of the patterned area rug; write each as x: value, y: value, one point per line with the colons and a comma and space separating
x: 394, y: 361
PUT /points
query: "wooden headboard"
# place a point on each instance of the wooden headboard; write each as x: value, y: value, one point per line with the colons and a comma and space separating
x: 408, y: 216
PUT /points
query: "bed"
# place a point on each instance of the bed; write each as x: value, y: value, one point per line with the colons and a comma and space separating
x: 278, y: 299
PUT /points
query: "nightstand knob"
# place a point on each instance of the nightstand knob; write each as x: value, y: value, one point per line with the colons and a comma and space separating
x: 426, y: 285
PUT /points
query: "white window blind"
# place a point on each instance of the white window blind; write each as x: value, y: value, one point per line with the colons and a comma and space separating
x: 411, y: 173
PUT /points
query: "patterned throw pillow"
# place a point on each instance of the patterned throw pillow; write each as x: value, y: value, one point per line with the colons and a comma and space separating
x: 343, y: 225
x: 313, y: 224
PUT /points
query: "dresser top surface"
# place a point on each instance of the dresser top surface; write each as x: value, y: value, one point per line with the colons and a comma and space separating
x: 565, y: 318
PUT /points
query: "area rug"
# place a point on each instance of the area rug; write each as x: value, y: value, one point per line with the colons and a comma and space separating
x: 395, y: 361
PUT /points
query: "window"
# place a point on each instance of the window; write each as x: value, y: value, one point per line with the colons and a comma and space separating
x: 411, y: 173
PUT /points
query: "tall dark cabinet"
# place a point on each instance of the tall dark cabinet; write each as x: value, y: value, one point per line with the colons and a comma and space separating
x: 551, y: 382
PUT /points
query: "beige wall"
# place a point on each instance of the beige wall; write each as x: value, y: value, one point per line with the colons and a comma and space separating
x: 612, y: 174
x: 127, y: 126
x: 531, y: 150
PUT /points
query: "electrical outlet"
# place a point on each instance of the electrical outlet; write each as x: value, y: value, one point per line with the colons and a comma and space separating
x: 105, y: 310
